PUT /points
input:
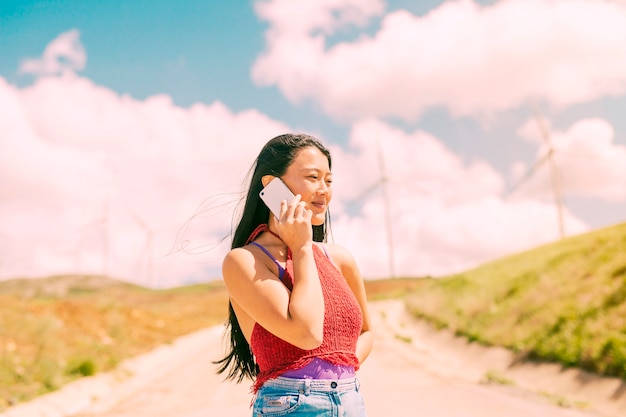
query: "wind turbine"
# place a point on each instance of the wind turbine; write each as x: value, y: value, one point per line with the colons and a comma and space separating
x: 383, y: 182
x: 547, y: 157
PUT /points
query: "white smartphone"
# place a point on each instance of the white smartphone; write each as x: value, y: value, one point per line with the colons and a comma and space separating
x: 275, y: 192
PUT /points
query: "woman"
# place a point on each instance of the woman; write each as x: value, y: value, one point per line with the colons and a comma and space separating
x: 298, y: 315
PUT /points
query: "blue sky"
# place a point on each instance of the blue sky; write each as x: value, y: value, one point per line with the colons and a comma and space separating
x: 206, y: 52
x: 201, y: 51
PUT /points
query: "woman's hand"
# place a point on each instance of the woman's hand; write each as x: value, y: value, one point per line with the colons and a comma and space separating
x: 294, y: 225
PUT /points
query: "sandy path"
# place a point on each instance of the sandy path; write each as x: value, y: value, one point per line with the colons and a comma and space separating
x: 399, y: 379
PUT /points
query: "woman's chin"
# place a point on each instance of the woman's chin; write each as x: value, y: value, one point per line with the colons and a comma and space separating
x: 318, y: 220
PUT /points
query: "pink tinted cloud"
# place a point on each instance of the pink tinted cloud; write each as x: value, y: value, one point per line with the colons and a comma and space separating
x: 469, y: 58
x: 588, y: 162
x: 87, y: 171
x: 446, y: 214
x: 101, y: 182
x: 415, y: 163
x: 305, y: 16
x: 98, y: 182
x: 495, y: 227
x: 64, y: 53
x: 297, y: 33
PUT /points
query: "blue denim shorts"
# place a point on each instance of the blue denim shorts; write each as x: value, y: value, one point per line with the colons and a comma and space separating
x: 309, y: 397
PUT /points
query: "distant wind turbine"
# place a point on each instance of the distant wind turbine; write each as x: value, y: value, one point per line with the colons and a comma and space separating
x: 383, y: 182
x: 548, y: 157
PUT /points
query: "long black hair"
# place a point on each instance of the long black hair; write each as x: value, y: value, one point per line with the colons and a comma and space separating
x: 274, y: 159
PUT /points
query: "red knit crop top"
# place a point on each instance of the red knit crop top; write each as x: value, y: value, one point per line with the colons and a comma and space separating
x: 343, y: 321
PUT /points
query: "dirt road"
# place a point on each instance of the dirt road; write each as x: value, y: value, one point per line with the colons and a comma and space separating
x: 399, y: 379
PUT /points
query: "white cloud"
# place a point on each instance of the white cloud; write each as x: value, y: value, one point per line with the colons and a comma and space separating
x: 297, y: 35
x: 64, y: 54
x: 466, y: 235
x: 468, y: 58
x: 588, y: 162
x: 306, y: 16
x: 81, y: 164
x: 446, y: 214
x: 414, y: 163
x: 97, y: 181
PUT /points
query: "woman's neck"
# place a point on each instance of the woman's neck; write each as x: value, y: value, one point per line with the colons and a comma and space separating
x: 271, y: 236
x: 272, y: 229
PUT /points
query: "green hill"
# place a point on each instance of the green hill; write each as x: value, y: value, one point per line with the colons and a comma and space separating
x: 55, y: 330
x: 62, y: 285
x: 563, y: 302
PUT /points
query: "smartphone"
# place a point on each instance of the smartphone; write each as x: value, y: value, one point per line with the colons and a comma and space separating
x: 275, y: 192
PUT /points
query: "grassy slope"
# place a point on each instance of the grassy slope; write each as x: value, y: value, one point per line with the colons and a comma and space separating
x: 55, y: 330
x: 58, y: 329
x: 563, y: 302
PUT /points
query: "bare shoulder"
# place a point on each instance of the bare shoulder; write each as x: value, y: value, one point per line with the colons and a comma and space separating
x: 236, y: 263
x: 342, y: 257
x: 238, y: 256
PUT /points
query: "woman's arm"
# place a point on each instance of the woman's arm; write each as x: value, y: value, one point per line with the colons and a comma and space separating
x: 295, y: 316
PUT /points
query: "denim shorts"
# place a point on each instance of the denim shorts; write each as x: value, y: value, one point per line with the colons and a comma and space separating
x: 294, y: 397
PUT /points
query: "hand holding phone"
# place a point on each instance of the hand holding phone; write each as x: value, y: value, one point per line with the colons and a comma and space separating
x: 275, y: 192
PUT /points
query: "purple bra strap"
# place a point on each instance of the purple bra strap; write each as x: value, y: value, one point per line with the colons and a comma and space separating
x: 281, y: 270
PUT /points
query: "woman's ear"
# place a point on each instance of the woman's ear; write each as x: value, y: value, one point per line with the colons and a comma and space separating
x: 265, y: 179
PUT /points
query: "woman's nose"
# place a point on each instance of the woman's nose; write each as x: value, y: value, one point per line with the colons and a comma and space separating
x: 323, y: 187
